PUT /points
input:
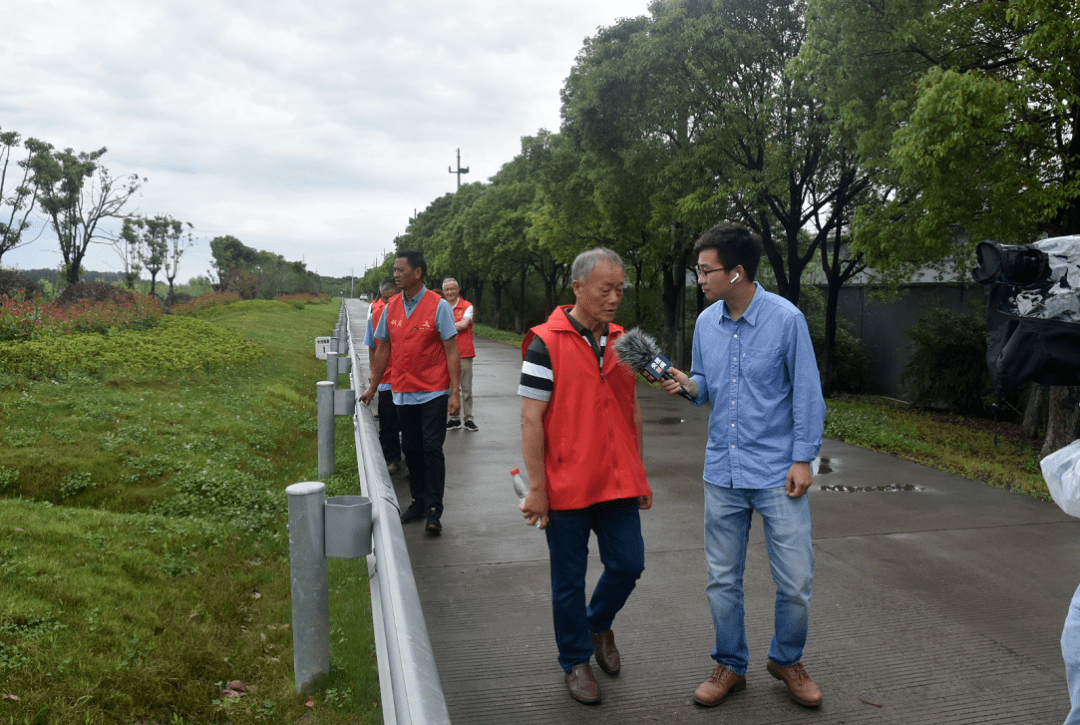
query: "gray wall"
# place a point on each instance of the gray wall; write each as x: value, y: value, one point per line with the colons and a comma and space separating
x: 881, y: 325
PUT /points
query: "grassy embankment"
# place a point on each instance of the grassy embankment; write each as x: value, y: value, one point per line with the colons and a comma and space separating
x: 964, y: 446
x: 143, y: 550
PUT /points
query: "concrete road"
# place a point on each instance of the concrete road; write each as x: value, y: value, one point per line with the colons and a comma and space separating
x: 939, y: 603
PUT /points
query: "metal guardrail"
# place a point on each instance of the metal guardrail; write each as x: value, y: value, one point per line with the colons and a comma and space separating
x: 409, y: 681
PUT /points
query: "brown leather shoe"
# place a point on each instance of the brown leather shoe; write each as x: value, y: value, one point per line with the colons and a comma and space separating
x: 713, y: 690
x: 606, y: 654
x: 582, y: 685
x: 801, y: 688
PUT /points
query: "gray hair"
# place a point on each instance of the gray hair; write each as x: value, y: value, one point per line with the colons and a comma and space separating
x: 586, y: 261
x: 387, y: 284
x: 450, y: 279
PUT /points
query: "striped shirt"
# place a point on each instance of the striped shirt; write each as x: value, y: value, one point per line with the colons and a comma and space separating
x: 537, y: 377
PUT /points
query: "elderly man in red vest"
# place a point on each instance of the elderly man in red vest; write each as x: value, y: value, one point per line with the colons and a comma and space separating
x: 419, y: 328
x: 581, y: 438
x: 463, y: 320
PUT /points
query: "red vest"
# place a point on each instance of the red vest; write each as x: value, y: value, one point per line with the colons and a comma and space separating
x: 464, y: 339
x: 590, y: 439
x: 419, y: 357
x: 376, y: 312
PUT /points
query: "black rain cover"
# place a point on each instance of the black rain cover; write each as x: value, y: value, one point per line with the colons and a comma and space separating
x: 1032, y: 312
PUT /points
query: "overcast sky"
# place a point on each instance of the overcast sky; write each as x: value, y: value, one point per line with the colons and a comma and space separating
x: 313, y: 131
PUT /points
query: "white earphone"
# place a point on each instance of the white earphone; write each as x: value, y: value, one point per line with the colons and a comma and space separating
x: 737, y: 275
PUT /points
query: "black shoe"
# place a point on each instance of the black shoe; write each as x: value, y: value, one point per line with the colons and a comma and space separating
x: 470, y: 426
x: 413, y: 513
x: 453, y: 424
x: 433, y: 524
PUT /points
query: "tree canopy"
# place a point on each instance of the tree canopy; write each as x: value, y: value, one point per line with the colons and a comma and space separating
x: 76, y: 194
x: 965, y: 113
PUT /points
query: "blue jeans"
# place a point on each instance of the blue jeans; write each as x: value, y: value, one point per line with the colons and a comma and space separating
x: 1070, y: 651
x: 622, y: 550
x: 791, y: 555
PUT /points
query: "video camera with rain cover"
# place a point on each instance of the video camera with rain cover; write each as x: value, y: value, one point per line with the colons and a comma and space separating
x: 1032, y: 311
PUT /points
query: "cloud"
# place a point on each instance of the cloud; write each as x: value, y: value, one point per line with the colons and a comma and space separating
x: 314, y: 131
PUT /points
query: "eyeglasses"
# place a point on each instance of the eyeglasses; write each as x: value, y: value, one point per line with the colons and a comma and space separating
x: 702, y: 272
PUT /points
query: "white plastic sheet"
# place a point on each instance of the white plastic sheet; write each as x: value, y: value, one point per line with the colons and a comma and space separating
x: 1061, y: 471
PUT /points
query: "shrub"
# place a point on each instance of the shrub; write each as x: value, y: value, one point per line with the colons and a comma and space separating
x: 13, y: 284
x: 204, y: 302
x: 30, y: 319
x: 850, y: 361
x: 244, y: 283
x: 948, y: 366
x: 94, y: 292
x: 178, y: 344
x: 175, y: 298
x: 300, y: 299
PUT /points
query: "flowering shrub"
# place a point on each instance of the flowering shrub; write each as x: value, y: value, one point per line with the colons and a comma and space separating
x: 32, y: 318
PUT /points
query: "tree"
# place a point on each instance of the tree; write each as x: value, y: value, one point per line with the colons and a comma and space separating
x: 76, y: 194
x: 457, y: 248
x: 178, y: 243
x: 266, y: 273
x: 230, y: 253
x: 127, y: 248
x: 626, y: 107
x: 967, y: 113
x: 702, y: 104
x: 157, y: 243
x: 15, y: 208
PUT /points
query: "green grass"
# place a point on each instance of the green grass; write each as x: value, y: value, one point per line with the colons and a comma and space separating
x: 492, y: 333
x: 143, y: 551
x: 960, y: 445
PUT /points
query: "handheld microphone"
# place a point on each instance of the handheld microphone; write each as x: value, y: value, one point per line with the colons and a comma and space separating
x: 641, y: 354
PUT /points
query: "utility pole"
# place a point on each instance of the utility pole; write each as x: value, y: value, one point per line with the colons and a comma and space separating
x: 460, y: 170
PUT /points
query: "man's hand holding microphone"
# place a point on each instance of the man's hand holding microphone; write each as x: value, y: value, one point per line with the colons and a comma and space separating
x: 676, y: 380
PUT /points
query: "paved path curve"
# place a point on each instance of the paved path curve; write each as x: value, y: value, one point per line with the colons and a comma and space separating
x: 938, y: 605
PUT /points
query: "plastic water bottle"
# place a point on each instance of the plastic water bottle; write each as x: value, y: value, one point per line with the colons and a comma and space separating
x: 520, y: 487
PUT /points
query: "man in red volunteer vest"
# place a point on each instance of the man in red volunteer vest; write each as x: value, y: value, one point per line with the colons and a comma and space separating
x: 581, y: 438
x: 417, y: 329
x: 389, y: 428
x: 463, y: 319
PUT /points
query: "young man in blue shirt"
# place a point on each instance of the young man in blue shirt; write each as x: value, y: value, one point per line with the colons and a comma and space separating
x: 753, y: 360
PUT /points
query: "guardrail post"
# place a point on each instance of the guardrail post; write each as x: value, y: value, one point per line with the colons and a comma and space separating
x: 309, y: 582
x: 319, y: 528
x: 332, y: 367
x: 325, y: 400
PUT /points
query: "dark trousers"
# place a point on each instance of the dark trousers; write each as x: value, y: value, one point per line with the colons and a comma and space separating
x: 423, y: 430
x: 389, y: 427
x: 622, y: 551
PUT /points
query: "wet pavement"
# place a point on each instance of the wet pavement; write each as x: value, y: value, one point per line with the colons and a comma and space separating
x: 936, y: 599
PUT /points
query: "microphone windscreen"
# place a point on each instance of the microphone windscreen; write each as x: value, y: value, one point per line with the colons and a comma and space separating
x: 637, y: 349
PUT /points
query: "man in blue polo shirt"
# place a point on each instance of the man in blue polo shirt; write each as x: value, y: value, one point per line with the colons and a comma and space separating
x: 417, y: 329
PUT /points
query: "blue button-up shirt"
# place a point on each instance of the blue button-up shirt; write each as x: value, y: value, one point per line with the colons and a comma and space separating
x: 444, y: 323
x: 760, y: 373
